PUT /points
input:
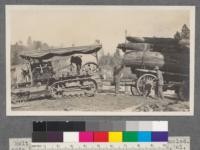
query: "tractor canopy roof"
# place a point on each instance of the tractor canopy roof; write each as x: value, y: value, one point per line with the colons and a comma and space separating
x: 49, y: 53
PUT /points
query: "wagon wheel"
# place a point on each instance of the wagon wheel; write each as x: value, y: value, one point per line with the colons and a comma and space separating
x: 90, y: 68
x: 183, y: 91
x: 133, y: 89
x: 91, y: 87
x: 144, y: 80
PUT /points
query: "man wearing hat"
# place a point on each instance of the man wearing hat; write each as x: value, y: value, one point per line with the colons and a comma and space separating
x: 160, y: 83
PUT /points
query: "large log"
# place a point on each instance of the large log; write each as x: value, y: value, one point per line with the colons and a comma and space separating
x: 170, y: 48
x: 135, y: 46
x: 152, y: 47
x: 139, y: 58
x: 152, y: 40
x: 170, y: 62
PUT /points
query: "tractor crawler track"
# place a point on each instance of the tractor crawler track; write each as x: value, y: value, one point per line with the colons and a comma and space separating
x: 73, y: 88
x: 59, y: 89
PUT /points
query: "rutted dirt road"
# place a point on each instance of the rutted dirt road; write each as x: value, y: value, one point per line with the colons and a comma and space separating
x: 104, y: 102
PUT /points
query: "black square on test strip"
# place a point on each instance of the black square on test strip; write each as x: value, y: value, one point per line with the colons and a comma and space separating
x: 79, y: 126
x: 39, y: 126
x: 39, y: 137
x: 65, y: 126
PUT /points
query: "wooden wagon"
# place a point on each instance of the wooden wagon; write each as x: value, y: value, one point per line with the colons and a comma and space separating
x: 171, y: 56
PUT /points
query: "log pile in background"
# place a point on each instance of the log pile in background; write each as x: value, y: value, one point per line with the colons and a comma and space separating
x: 135, y: 46
x: 153, y: 40
x: 167, y: 53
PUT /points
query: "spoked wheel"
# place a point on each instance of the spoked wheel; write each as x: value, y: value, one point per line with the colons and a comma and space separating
x: 90, y: 68
x: 91, y: 87
x: 144, y: 81
x: 133, y: 89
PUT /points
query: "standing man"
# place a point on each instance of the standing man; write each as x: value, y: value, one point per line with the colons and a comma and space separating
x: 26, y: 73
x: 160, y: 83
x: 78, y: 62
x: 117, y: 74
x: 148, y: 88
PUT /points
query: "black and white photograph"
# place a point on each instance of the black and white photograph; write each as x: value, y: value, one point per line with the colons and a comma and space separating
x: 100, y: 60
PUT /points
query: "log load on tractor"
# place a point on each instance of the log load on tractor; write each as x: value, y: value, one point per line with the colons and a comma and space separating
x: 170, y: 55
x: 44, y: 79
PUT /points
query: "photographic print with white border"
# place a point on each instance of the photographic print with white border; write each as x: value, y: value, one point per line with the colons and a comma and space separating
x: 100, y: 60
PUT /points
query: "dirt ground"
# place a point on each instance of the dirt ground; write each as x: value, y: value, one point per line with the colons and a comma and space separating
x: 105, y: 102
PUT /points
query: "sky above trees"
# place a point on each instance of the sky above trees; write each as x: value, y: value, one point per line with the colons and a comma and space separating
x: 64, y: 26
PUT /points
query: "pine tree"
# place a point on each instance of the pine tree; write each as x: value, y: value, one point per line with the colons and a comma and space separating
x: 185, y: 32
x: 177, y: 36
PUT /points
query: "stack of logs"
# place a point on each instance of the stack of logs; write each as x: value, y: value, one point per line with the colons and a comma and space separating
x: 167, y: 53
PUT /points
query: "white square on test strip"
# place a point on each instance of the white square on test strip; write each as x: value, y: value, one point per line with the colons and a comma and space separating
x: 145, y: 126
x: 71, y: 136
x: 160, y: 126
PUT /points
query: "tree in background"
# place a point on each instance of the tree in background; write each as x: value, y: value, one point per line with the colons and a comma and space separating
x: 29, y: 43
x: 15, y: 51
x: 105, y: 60
x: 37, y: 45
x: 117, y: 58
x: 19, y: 47
x: 184, y: 34
x: 45, y: 46
x: 111, y: 60
x: 177, y: 36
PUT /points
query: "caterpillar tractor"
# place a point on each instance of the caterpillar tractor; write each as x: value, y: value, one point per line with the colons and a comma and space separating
x: 43, y: 79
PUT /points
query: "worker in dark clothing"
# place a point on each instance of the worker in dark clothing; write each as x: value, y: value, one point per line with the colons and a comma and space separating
x: 117, y: 74
x: 160, y: 83
x: 77, y: 61
x: 148, y: 88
